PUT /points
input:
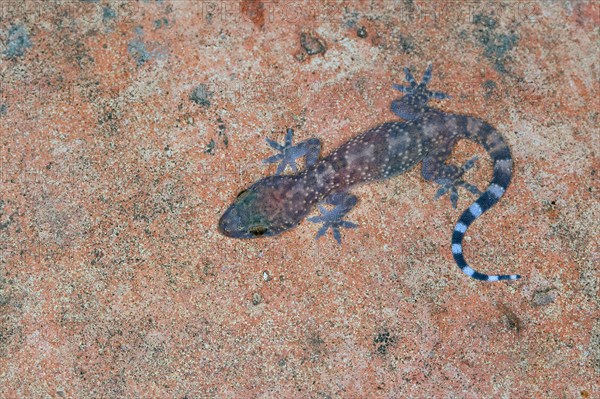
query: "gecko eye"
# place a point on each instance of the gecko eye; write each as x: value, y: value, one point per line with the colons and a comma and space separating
x: 242, y: 194
x: 258, y: 231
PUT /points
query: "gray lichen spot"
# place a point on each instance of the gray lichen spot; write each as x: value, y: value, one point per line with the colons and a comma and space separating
x: 3, y: 109
x: 490, y: 87
x: 406, y: 44
x: 201, y: 95
x: 137, y: 49
x: 257, y: 299
x: 544, y: 297
x: 18, y: 42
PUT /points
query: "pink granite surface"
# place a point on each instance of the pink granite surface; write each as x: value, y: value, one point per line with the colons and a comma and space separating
x: 128, y: 128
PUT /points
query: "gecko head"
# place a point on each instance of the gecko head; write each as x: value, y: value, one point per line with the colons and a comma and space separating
x: 413, y: 104
x: 268, y: 207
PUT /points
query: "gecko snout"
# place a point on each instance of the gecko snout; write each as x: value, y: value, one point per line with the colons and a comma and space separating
x: 230, y: 223
x: 233, y: 225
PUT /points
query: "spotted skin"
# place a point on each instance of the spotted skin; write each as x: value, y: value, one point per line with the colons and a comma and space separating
x: 278, y: 203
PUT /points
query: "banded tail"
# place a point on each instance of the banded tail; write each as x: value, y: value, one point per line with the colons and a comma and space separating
x: 499, y: 151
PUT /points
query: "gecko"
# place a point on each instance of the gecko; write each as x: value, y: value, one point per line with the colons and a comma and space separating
x: 280, y: 202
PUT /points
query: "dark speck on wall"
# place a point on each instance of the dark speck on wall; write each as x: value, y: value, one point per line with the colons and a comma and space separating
x: 159, y: 23
x: 222, y: 132
x: 361, y: 32
x: 210, y: 147
x: 18, y: 42
x: 312, y: 44
x: 383, y: 340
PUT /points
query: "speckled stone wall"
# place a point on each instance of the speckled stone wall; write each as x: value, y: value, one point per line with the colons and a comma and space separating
x: 127, y: 128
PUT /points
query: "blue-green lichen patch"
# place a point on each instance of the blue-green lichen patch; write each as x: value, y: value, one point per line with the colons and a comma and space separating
x: 497, y: 45
x: 201, y: 95
x: 17, y: 42
x: 137, y: 49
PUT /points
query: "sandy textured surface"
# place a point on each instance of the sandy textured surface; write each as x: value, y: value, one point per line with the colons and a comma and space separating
x: 128, y: 128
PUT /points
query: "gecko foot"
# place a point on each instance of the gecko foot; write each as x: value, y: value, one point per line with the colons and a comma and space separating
x: 288, y: 153
x: 416, y: 96
x: 334, y: 218
x: 451, y: 185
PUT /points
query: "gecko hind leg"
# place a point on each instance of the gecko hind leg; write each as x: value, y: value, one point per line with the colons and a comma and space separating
x: 288, y: 153
x: 448, y: 176
x: 334, y: 219
x: 414, y: 103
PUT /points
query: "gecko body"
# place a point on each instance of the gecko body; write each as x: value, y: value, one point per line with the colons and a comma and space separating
x: 278, y: 203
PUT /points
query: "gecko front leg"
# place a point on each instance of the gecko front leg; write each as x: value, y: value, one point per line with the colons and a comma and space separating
x: 448, y: 176
x: 343, y: 202
x: 310, y: 148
